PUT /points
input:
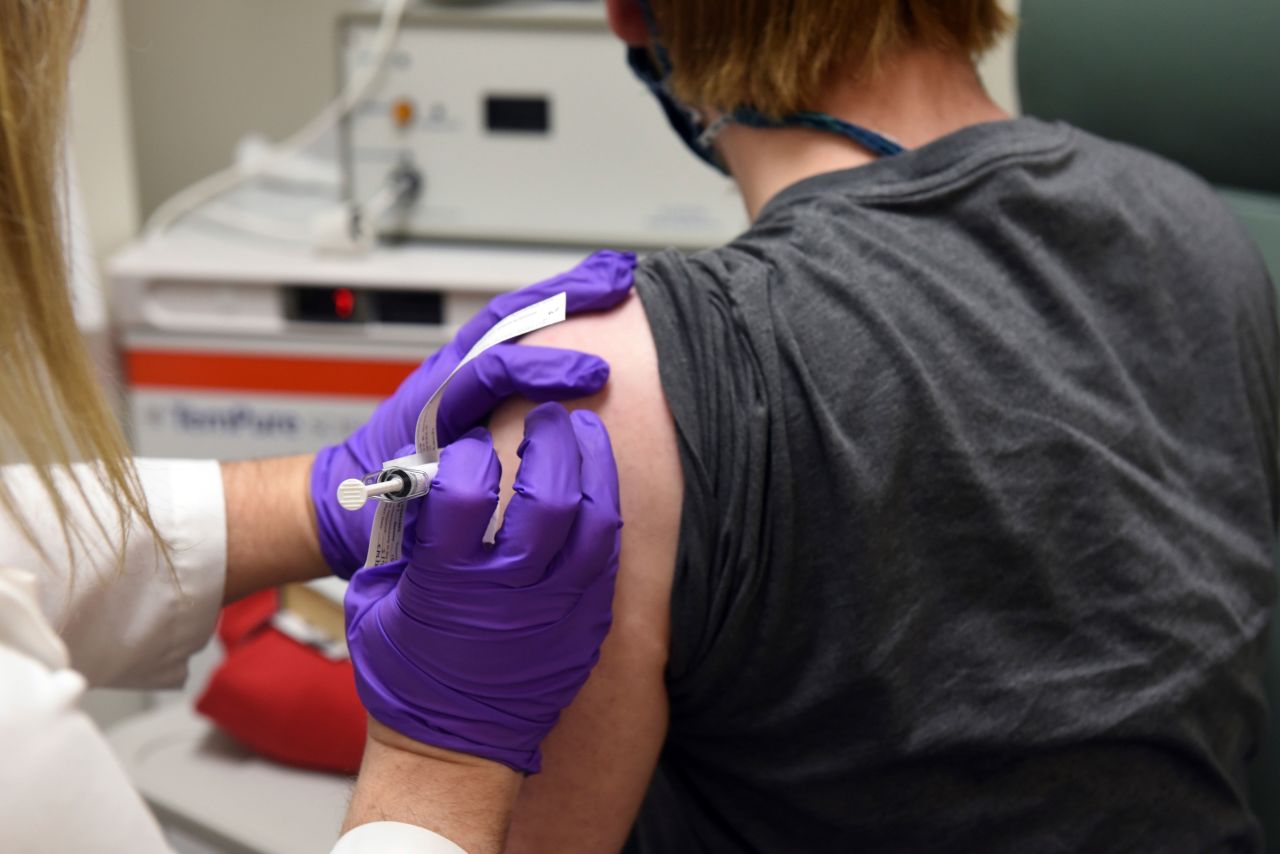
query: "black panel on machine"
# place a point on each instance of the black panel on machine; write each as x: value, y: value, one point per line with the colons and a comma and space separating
x: 328, y: 304
x: 508, y: 114
x: 409, y: 307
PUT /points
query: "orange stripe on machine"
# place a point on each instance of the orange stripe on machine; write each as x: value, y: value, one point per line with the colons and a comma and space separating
x: 264, y: 373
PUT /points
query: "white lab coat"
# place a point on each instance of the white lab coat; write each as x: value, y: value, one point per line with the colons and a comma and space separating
x: 68, y: 621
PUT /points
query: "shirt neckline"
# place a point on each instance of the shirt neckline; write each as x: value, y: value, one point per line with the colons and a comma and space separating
x: 941, y: 161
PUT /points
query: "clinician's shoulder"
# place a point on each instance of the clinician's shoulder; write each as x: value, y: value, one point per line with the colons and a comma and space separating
x: 35, y: 682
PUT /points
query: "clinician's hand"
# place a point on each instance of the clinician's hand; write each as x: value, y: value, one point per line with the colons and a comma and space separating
x: 600, y: 282
x: 476, y: 648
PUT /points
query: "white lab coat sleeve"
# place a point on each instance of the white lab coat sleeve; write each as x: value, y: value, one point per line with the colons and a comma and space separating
x: 63, y: 788
x: 393, y: 837
x: 130, y: 623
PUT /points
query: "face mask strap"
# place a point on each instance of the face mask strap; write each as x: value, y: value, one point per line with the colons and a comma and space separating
x: 877, y: 143
x: 659, y: 50
x: 685, y: 121
x: 711, y: 131
x: 653, y: 67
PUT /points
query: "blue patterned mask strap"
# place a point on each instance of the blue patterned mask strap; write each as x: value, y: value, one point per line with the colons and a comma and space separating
x: 659, y: 49
x: 655, y: 72
x: 876, y: 143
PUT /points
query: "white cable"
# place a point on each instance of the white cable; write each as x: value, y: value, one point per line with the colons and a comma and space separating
x: 353, y: 231
x: 329, y: 230
x: 185, y: 201
x: 250, y: 222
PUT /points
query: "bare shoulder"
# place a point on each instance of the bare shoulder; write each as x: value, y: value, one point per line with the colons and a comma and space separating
x: 622, y: 338
x: 635, y: 412
x: 594, y: 777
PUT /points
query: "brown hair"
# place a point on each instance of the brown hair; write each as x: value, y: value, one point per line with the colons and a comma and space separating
x: 52, y: 410
x: 775, y: 55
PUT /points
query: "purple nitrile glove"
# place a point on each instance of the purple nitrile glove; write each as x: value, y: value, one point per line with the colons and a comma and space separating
x: 539, y: 373
x: 478, y: 648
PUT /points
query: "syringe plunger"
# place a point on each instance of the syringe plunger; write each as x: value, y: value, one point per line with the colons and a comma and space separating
x: 399, y: 483
x: 353, y: 493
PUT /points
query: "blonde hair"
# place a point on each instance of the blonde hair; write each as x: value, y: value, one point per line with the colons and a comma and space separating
x: 776, y: 55
x: 52, y: 410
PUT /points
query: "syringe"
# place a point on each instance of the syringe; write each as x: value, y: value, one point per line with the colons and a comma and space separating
x: 393, y: 485
x: 410, y: 477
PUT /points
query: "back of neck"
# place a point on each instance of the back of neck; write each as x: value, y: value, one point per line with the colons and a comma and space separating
x: 918, y: 97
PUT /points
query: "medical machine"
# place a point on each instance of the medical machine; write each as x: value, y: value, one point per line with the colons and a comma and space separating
x: 521, y: 122
x: 235, y: 349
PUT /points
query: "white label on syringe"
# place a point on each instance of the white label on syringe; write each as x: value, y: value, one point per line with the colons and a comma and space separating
x: 387, y: 535
x: 522, y: 322
x: 385, y: 541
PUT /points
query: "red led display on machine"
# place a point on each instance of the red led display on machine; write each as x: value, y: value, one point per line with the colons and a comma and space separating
x: 344, y: 303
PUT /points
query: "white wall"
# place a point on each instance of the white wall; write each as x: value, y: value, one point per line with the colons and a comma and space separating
x: 103, y: 183
x: 101, y: 135
x: 999, y: 69
x: 202, y: 73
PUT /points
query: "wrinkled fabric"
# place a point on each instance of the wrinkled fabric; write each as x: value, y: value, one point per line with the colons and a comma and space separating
x: 537, y: 373
x: 477, y: 648
x: 979, y: 447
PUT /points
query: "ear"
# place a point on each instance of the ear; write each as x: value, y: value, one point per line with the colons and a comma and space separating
x: 627, y: 22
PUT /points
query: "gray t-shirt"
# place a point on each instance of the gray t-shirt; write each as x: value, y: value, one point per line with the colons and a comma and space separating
x: 979, y: 444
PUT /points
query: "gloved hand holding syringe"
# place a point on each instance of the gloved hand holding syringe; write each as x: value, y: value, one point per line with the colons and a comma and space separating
x: 478, y: 640
x: 405, y: 478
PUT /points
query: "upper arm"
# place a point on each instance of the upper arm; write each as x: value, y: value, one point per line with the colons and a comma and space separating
x: 598, y: 760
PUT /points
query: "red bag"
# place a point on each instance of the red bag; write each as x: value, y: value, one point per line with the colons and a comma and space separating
x: 281, y: 698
